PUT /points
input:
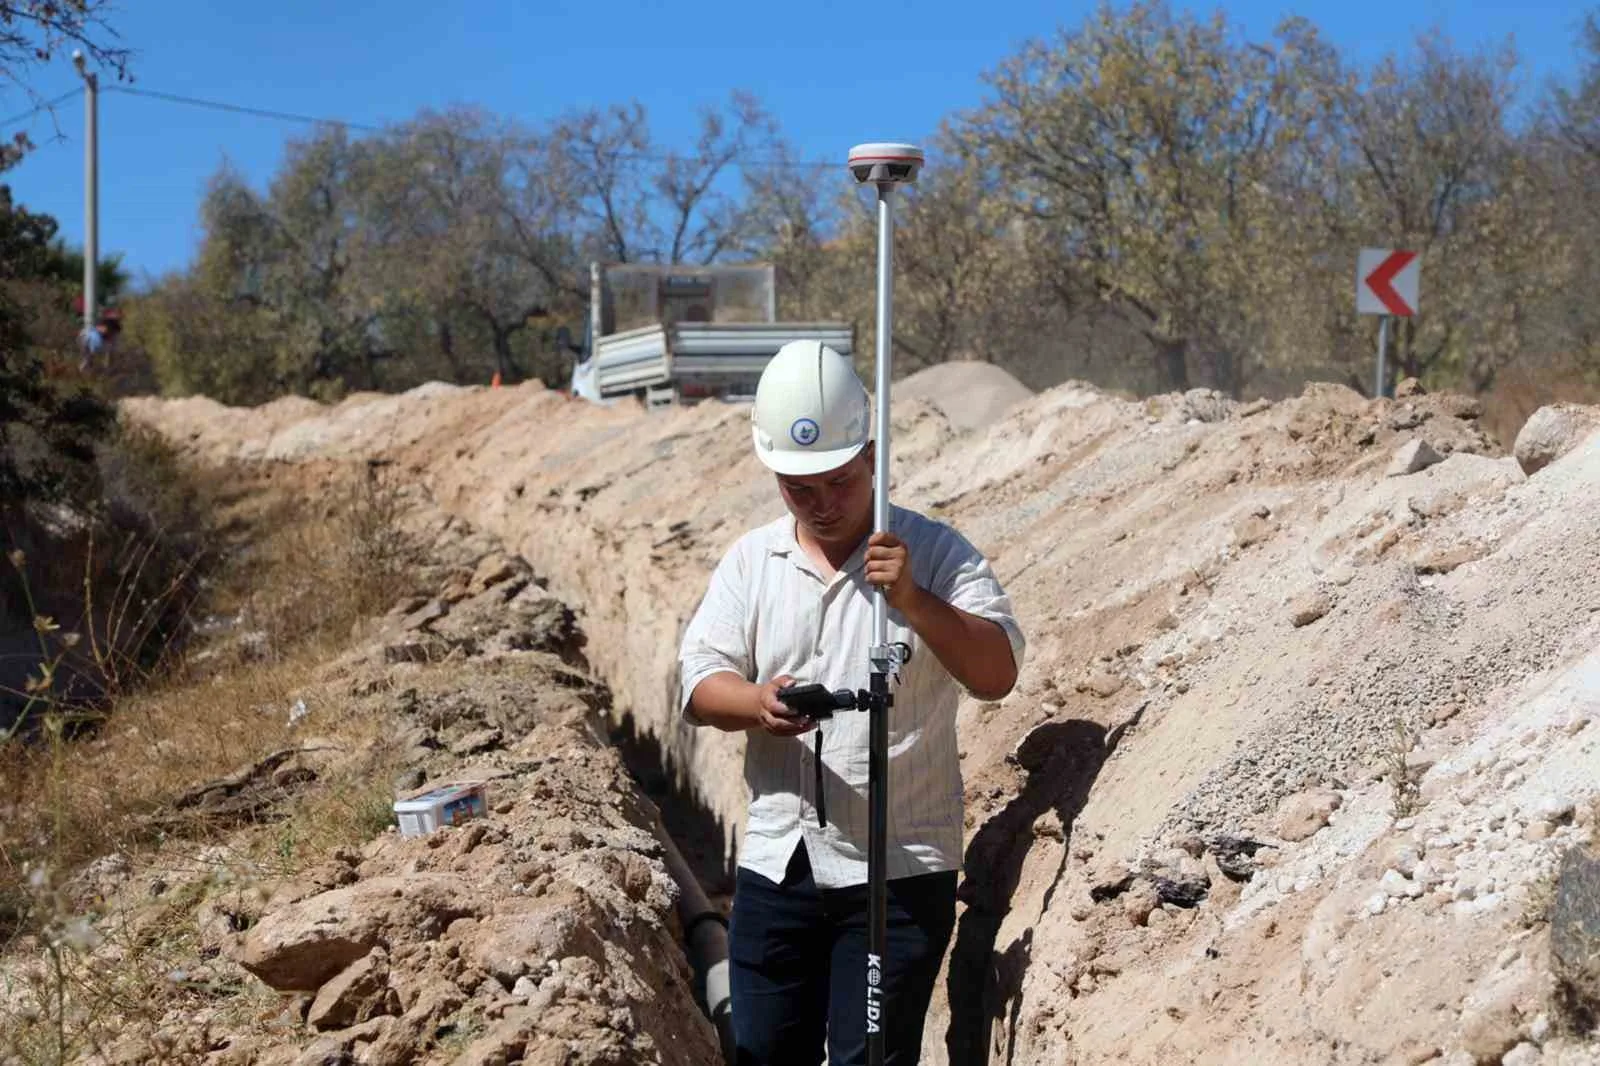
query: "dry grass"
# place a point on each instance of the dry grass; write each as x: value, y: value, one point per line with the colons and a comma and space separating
x: 296, y: 578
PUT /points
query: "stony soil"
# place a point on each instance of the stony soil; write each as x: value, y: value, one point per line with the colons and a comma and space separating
x: 1308, y: 721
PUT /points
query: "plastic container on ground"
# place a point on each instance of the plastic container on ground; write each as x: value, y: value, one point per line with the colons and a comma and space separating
x: 420, y: 813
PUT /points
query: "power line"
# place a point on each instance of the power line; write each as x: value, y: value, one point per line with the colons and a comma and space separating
x: 637, y: 157
x: 63, y: 98
x: 241, y: 109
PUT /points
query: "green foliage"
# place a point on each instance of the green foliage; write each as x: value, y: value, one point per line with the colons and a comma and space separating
x: 50, y: 421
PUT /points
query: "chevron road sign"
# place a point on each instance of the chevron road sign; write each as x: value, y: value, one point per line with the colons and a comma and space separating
x: 1387, y: 280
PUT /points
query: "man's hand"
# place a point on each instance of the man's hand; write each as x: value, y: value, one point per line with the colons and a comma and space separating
x: 889, y: 566
x: 775, y: 716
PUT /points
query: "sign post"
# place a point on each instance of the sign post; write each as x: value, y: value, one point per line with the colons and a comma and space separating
x: 1387, y: 282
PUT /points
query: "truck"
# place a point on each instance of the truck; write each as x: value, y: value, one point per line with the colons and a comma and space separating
x: 667, y: 334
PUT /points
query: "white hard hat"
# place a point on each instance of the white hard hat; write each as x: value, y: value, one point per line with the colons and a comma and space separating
x: 811, y: 413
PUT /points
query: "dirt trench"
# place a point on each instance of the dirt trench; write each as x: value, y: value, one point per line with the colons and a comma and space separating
x: 1185, y: 816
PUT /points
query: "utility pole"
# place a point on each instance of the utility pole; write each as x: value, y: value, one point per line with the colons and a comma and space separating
x: 91, y: 188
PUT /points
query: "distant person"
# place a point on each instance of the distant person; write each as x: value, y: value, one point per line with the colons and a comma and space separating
x: 101, y: 340
x: 792, y: 601
x: 91, y: 342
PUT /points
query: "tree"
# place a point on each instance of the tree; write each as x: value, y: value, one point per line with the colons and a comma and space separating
x: 1139, y: 147
x: 637, y: 203
x: 1574, y: 115
x: 48, y: 427
x: 475, y: 232
x: 1432, y: 160
x: 33, y: 32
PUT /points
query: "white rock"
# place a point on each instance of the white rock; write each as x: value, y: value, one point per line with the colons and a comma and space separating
x: 1425, y: 874
x: 1495, y: 842
x: 1396, y: 884
x: 524, y: 988
x: 1465, y: 890
x: 1539, y: 1028
x: 1404, y: 859
x: 1512, y: 780
x: 1411, y: 457
x: 1554, y: 808
x: 1524, y: 1054
x: 1403, y: 824
x: 1377, y: 903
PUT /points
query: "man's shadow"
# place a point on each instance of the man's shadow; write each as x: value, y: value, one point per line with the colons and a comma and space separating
x: 1062, y: 760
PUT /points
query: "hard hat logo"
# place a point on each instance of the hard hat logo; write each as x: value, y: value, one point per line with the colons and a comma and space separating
x: 804, y: 432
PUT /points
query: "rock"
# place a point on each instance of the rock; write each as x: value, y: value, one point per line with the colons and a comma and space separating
x: 1302, y: 814
x: 1551, y: 432
x: 1204, y: 405
x: 1488, y: 1032
x: 1102, y: 683
x: 1403, y: 857
x: 1252, y: 530
x: 1406, y: 417
x: 1408, y: 388
x: 1340, y: 574
x: 492, y: 570
x: 1442, y: 560
x: 1441, y: 713
x: 1397, y: 885
x: 409, y: 780
x: 1411, y: 457
x: 1555, y: 810
x: 326, y: 1051
x: 359, y: 993
x: 1235, y: 857
x: 1308, y: 607
x: 1139, y: 901
x: 423, y: 616
x: 476, y: 742
x: 303, y: 945
x: 1524, y: 1054
x: 1575, y: 935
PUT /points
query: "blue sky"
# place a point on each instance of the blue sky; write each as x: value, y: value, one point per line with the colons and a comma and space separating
x: 833, y: 73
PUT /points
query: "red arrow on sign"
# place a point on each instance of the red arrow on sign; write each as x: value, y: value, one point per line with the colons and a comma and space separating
x: 1381, y: 280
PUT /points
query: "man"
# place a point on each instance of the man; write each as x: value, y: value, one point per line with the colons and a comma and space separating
x: 792, y: 602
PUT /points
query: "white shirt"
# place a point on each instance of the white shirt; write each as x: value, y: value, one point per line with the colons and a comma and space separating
x: 768, y: 611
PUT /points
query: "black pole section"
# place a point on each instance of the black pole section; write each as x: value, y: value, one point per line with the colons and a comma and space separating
x: 877, y: 856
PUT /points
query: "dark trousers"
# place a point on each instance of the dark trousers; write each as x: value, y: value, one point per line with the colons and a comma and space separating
x: 797, y: 962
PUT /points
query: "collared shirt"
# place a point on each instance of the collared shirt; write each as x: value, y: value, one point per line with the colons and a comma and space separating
x: 768, y: 611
